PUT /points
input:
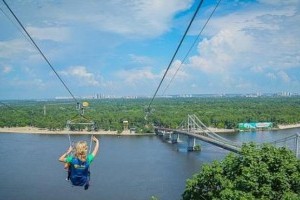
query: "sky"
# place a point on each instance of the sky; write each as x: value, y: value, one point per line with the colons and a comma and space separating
x: 123, y: 47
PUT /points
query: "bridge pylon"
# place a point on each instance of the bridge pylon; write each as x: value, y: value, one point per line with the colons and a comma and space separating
x: 292, y: 142
x: 192, y: 124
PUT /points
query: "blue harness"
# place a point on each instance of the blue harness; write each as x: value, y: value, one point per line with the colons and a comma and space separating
x: 79, y: 172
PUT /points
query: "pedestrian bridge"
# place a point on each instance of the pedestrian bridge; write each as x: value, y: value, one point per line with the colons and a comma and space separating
x: 194, y: 129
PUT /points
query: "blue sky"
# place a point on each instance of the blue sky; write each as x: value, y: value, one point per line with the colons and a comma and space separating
x: 123, y: 47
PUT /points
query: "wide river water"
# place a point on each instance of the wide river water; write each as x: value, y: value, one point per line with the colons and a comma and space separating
x: 127, y: 167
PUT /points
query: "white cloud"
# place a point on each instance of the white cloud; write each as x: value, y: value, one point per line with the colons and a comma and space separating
x: 82, y: 75
x: 194, y: 85
x: 39, y: 83
x: 139, y: 17
x: 57, y: 34
x: 279, y: 2
x: 249, y: 43
x: 271, y: 76
x: 221, y: 52
x: 6, y: 69
x: 15, y: 48
x: 257, y: 69
x: 145, y: 79
x: 132, y: 18
x: 175, y: 77
x: 176, y: 71
x: 281, y: 76
x: 137, y: 75
x: 284, y: 76
x: 33, y: 83
x: 144, y: 60
x: 257, y: 17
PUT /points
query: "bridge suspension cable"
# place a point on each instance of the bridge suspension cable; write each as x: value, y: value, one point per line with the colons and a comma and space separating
x: 192, y: 46
x: 179, y: 45
x: 40, y: 51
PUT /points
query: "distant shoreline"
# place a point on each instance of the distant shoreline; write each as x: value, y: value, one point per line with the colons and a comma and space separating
x: 288, y: 126
x: 34, y: 130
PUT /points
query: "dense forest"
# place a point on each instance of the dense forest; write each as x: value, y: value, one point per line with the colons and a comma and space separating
x: 109, y: 114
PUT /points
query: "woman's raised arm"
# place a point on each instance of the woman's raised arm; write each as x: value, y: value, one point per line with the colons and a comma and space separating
x: 96, y: 148
x: 62, y: 158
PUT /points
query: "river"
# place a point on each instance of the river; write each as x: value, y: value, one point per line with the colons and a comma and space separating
x: 127, y: 167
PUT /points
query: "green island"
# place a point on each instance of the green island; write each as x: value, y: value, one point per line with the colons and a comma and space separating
x: 109, y: 114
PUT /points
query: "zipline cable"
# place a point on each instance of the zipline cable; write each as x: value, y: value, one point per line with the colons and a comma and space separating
x: 18, y: 27
x: 36, y: 46
x: 186, y: 31
x: 192, y: 46
x: 70, y: 142
x: 48, y: 62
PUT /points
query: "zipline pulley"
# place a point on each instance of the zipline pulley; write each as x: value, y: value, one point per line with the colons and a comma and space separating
x: 79, y: 121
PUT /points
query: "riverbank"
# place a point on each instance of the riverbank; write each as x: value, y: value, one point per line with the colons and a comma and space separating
x: 34, y: 130
x: 288, y: 126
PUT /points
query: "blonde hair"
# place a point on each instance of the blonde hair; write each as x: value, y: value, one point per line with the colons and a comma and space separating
x: 81, y: 149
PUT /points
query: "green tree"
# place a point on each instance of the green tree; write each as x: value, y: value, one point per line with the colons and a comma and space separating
x: 263, y: 172
x: 223, y: 112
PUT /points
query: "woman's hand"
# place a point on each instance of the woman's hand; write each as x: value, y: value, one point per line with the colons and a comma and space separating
x: 96, y: 148
x: 62, y: 158
x: 95, y: 139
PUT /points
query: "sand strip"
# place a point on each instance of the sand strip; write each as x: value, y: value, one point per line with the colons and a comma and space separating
x: 34, y: 130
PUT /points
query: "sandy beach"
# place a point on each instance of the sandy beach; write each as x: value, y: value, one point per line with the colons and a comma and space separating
x: 289, y: 126
x: 34, y: 130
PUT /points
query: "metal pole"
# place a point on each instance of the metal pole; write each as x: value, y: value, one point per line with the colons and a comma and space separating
x: 188, y: 123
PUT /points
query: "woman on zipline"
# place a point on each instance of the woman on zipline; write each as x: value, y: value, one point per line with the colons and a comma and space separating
x: 79, y: 163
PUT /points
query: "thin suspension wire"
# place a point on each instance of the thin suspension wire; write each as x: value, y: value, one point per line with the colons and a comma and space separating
x: 70, y: 142
x: 18, y: 27
x: 19, y: 22
x: 175, y: 54
x: 192, y: 46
